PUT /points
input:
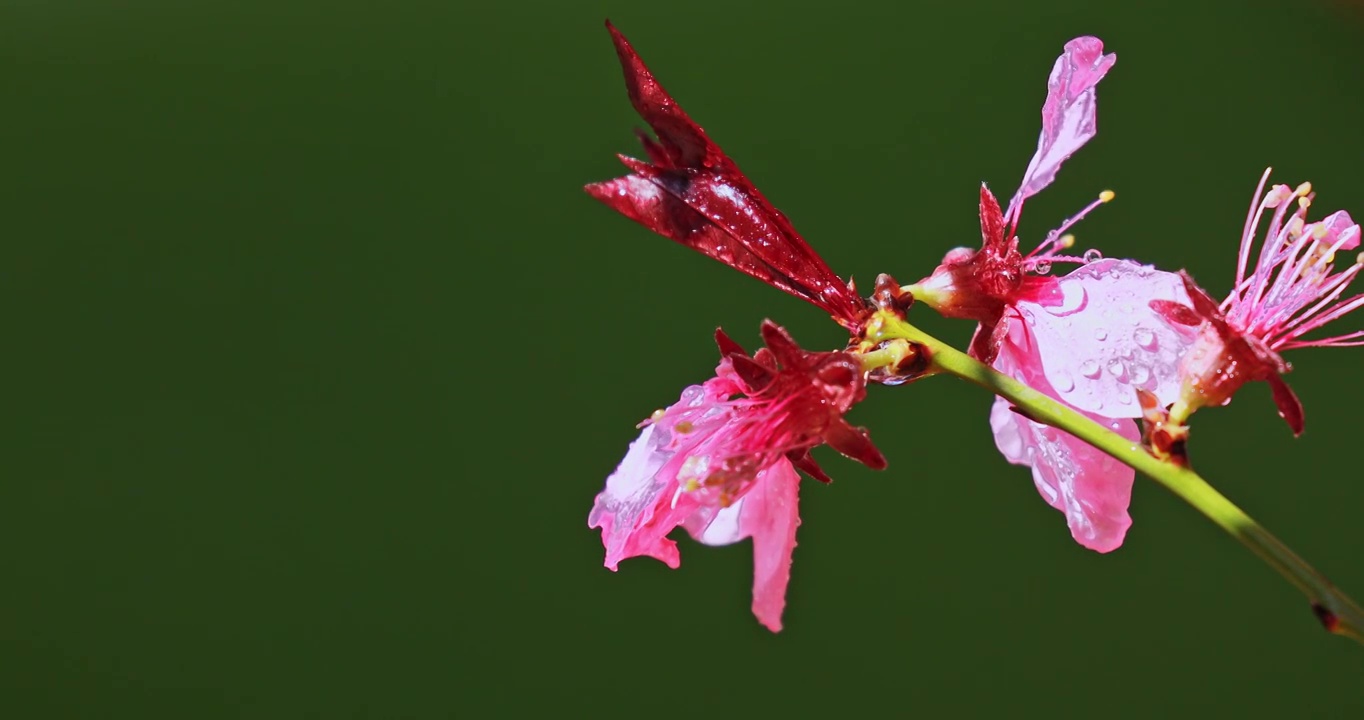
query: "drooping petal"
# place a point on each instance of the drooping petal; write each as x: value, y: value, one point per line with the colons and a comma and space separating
x: 1104, y: 341
x: 1091, y: 488
x: 1068, y: 115
x: 769, y: 514
x: 770, y: 517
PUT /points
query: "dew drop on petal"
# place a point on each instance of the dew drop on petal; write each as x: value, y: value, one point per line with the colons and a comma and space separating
x: 1042, y: 267
x: 1073, y: 298
x: 1125, y: 400
x: 1118, y: 370
x: 1093, y: 255
x: 1144, y: 338
x: 1140, y: 373
x: 1089, y: 369
x: 1100, y: 334
x: 1064, y: 382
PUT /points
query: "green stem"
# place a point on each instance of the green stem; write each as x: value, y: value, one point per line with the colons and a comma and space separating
x: 1336, y: 611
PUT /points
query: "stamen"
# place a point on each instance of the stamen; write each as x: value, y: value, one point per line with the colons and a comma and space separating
x: 1248, y: 234
x: 1056, y: 238
x: 1276, y: 195
x: 1304, y: 189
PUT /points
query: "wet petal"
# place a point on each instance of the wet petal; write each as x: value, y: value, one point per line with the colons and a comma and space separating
x: 1091, y: 488
x: 1068, y: 115
x: 1104, y: 341
x: 633, y: 510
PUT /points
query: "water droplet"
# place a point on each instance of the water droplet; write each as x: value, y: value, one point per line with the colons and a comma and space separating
x: 1073, y: 298
x: 1064, y: 382
x: 1042, y: 267
x: 1144, y: 338
x: 1089, y: 369
x: 1101, y: 335
x: 1092, y: 255
x: 1125, y: 400
x: 1118, y: 370
x: 1140, y: 373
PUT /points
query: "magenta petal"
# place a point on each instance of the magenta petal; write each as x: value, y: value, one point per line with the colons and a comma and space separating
x: 1091, y: 488
x: 771, y: 515
x: 1068, y: 115
x: 768, y: 513
x: 633, y: 510
x: 1104, y: 341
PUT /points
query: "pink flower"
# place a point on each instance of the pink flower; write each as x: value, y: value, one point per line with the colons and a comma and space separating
x: 1088, y: 339
x: 721, y: 462
x: 695, y: 194
x: 1291, y: 290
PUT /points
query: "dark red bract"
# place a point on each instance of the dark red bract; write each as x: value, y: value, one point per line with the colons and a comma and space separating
x: 981, y: 284
x: 807, y: 393
x: 694, y: 194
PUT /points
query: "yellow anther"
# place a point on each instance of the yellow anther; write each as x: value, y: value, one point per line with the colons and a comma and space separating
x: 683, y: 427
x: 1359, y: 259
x: 1304, y: 203
x: 1068, y: 240
x: 658, y: 415
x: 1320, y: 230
x: 691, y: 486
x: 1303, y: 189
x: 1107, y: 196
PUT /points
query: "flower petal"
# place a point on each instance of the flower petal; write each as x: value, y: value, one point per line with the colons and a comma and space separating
x: 768, y: 513
x: 1104, y: 340
x: 633, y: 510
x: 771, y: 516
x: 1091, y: 488
x: 1068, y: 115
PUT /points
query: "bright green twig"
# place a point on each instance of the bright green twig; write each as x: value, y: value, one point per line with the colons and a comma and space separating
x: 1336, y: 611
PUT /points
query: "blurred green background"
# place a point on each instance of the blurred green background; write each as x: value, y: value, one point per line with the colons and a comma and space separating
x: 316, y: 354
